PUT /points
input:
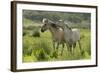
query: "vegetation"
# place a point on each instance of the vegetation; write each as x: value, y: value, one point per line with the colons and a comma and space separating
x: 38, y: 46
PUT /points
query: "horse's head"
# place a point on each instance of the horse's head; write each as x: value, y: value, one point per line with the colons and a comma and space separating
x: 48, y: 24
x: 45, y: 25
x: 44, y: 28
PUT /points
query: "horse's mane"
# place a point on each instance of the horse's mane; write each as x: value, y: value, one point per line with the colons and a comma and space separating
x: 54, y: 25
x: 68, y: 27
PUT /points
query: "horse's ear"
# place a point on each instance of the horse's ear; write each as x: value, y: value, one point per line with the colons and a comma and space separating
x: 45, y: 21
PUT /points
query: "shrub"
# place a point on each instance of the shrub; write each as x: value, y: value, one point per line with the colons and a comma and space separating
x: 36, y: 33
x: 42, y: 50
x: 27, y: 50
x: 41, y: 55
x: 27, y: 45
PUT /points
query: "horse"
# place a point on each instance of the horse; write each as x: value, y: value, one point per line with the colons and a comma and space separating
x: 71, y: 36
x: 56, y: 32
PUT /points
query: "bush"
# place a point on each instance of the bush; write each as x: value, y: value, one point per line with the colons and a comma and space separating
x: 36, y: 33
x: 42, y: 50
x: 41, y: 55
x: 25, y: 32
x: 27, y: 45
x: 27, y: 51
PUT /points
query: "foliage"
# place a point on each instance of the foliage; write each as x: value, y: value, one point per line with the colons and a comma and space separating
x: 36, y: 33
x: 42, y: 49
x: 74, y: 18
x: 37, y: 46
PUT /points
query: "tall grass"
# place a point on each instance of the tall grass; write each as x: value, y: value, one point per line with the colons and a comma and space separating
x: 41, y: 49
x: 38, y: 46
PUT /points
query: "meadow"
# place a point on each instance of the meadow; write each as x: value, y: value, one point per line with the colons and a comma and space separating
x: 37, y: 46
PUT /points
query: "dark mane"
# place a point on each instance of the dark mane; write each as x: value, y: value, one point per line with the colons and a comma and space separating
x: 54, y: 25
x: 68, y: 27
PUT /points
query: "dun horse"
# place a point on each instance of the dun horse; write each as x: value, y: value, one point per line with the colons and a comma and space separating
x: 71, y: 36
x: 57, y: 34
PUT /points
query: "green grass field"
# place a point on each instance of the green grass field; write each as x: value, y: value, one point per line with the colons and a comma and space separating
x: 40, y: 48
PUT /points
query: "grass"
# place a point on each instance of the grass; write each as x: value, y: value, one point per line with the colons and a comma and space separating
x: 40, y: 48
x: 28, y: 22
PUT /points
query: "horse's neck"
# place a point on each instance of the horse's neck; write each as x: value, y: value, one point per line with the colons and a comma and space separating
x: 66, y: 29
x: 68, y: 32
x: 53, y: 31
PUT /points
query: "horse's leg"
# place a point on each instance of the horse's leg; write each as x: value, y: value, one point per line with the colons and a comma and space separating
x: 57, y: 47
x: 62, y: 49
x: 54, y: 45
x: 80, y: 47
x: 70, y: 48
x: 55, y: 53
x: 74, y: 45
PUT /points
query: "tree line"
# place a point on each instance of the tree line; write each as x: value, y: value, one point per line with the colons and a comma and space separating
x: 72, y: 17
